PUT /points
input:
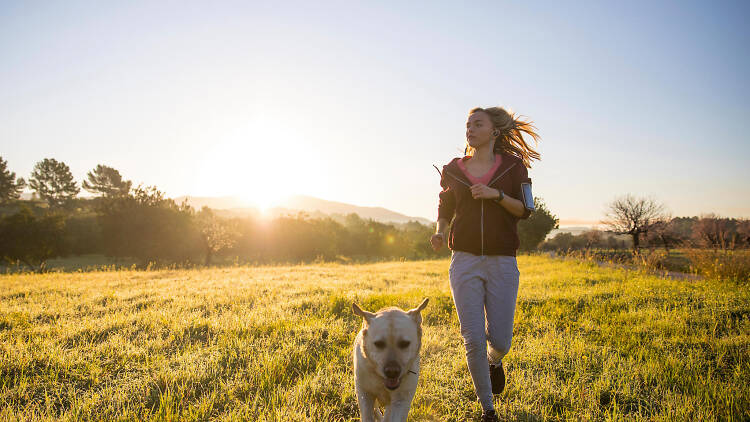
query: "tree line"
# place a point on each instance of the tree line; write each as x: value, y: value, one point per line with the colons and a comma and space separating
x: 647, y: 223
x: 141, y: 223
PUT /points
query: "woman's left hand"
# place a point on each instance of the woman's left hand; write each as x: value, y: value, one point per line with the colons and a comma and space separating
x: 480, y: 191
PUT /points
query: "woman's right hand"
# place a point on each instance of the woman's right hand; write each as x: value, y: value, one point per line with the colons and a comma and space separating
x: 436, y: 241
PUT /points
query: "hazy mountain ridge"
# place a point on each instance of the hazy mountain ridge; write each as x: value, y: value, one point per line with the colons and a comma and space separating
x: 574, y: 230
x: 316, y: 207
x: 234, y: 207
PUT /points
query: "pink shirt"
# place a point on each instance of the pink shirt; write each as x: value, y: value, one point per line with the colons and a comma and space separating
x: 484, y: 179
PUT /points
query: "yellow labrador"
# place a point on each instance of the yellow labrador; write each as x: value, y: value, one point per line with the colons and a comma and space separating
x: 386, y: 361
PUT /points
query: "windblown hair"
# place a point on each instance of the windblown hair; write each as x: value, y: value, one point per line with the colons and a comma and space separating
x: 510, y: 140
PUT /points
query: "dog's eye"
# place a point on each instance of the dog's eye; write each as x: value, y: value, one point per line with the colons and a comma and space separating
x: 379, y: 344
x: 403, y: 344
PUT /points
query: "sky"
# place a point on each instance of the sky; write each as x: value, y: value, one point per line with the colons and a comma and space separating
x: 355, y: 101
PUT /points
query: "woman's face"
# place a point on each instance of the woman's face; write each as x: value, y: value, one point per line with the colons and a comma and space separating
x: 478, y: 129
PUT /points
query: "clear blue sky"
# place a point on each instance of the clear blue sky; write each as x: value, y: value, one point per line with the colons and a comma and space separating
x: 354, y: 101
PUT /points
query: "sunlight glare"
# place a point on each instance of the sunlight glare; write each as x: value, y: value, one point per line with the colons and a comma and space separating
x: 258, y: 162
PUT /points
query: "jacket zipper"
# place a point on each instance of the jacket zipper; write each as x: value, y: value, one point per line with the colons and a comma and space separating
x: 481, y: 227
x: 500, y: 175
x: 481, y: 219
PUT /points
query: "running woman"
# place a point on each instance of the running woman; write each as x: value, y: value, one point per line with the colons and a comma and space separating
x: 487, y: 191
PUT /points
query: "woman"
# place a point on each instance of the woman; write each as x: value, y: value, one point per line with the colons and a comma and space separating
x: 488, y: 191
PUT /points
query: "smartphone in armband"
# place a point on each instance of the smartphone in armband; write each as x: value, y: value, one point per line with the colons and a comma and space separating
x: 526, y: 196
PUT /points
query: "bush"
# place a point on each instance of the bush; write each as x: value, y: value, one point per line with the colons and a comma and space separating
x: 32, y: 239
x: 533, y: 230
x: 592, y: 239
x: 652, y: 260
x: 720, y: 265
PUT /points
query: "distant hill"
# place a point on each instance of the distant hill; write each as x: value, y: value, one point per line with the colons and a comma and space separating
x: 315, y: 207
x: 579, y: 230
x: 572, y: 230
x: 216, y: 203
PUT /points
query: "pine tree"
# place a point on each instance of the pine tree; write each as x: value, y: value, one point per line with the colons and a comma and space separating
x: 53, y: 181
x: 106, y: 181
x: 10, y: 187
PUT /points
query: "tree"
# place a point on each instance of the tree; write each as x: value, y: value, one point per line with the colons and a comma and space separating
x: 666, y: 233
x: 298, y: 237
x: 10, y: 187
x: 106, y: 181
x: 534, y: 229
x: 30, y: 239
x: 594, y: 238
x: 712, y: 231
x: 634, y: 216
x: 83, y: 234
x: 217, y: 233
x: 53, y: 181
x: 743, y: 232
x: 149, y: 227
x: 684, y: 227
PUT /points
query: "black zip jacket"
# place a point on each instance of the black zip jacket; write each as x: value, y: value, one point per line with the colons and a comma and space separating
x: 482, y: 226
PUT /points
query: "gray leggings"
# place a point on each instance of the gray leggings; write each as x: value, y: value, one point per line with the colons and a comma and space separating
x: 484, y: 286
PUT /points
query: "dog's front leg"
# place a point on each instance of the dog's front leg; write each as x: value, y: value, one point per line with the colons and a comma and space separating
x: 366, y: 402
x: 397, y: 411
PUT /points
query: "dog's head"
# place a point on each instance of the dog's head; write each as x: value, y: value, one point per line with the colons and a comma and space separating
x: 391, y: 339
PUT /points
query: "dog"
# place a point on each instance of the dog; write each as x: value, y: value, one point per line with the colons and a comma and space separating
x: 386, y: 362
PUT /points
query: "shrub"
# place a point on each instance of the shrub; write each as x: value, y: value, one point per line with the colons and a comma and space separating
x: 652, y: 260
x: 720, y: 265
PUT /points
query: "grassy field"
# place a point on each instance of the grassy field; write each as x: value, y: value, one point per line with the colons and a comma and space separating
x: 273, y: 343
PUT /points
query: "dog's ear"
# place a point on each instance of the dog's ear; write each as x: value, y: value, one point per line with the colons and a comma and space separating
x: 364, y: 314
x: 415, y: 313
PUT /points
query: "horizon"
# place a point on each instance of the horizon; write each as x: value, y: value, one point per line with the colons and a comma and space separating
x: 282, y: 203
x: 354, y: 103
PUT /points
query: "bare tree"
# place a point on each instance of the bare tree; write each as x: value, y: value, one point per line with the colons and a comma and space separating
x: 218, y: 234
x: 593, y: 238
x: 712, y: 231
x: 634, y: 216
x: 743, y: 231
x: 665, y: 233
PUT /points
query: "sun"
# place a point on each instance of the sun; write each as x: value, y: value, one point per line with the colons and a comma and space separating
x: 262, y: 199
x: 264, y: 186
x: 256, y: 164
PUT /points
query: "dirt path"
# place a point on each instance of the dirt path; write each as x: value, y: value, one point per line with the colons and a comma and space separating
x: 661, y: 273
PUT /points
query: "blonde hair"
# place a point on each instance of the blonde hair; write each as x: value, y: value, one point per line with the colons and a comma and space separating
x: 510, y: 138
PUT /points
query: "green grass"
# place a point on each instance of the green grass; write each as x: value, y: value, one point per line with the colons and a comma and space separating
x: 273, y: 343
x: 92, y: 262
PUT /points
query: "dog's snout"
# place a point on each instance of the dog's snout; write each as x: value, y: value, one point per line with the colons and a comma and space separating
x: 392, y: 370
